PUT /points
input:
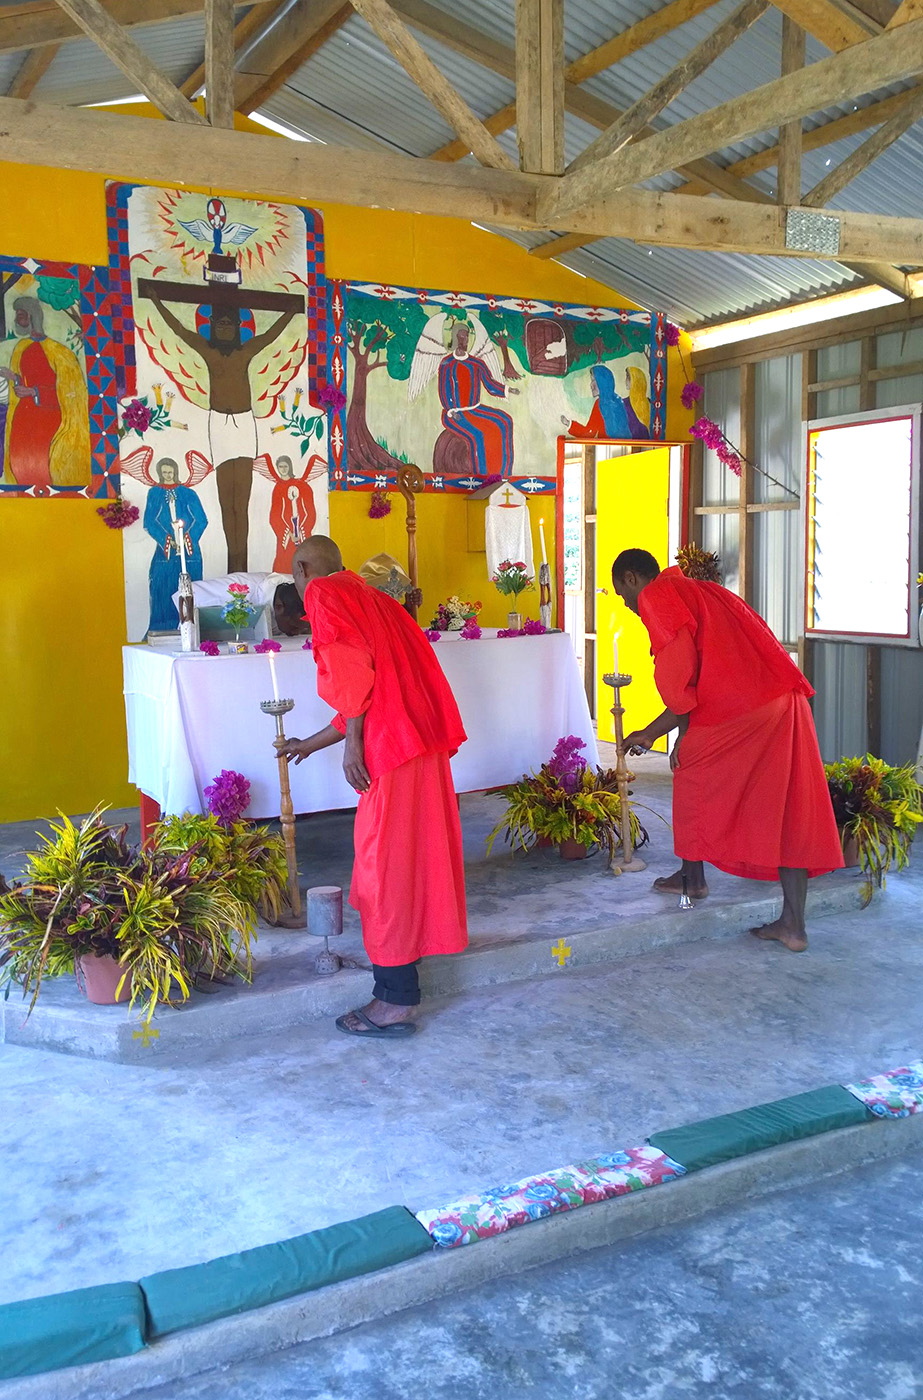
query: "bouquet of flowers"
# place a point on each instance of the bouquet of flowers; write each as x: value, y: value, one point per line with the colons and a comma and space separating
x: 512, y: 579
x: 238, y: 611
x: 454, y: 614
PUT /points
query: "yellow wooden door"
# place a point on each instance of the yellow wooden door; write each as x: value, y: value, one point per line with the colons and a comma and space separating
x: 632, y: 512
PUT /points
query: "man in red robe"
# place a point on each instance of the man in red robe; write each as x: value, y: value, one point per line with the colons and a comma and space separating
x: 749, y: 791
x: 401, y: 725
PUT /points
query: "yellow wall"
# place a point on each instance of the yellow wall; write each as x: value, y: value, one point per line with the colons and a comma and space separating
x: 62, y: 627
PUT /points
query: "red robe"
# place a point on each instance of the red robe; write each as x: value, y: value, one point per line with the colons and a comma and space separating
x: 408, y: 876
x: 750, y: 795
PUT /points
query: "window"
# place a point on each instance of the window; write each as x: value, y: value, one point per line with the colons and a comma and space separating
x: 862, y: 535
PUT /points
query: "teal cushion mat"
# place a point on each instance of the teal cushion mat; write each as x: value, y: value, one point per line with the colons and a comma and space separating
x: 735, y: 1134
x: 71, y: 1329
x: 203, y: 1292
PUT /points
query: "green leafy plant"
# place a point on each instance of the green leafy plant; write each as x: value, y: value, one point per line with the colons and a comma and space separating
x: 182, y: 907
x: 540, y: 807
x: 879, y: 807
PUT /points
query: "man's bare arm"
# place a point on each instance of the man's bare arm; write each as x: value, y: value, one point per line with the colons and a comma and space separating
x: 188, y: 337
x: 299, y: 749
x: 260, y: 342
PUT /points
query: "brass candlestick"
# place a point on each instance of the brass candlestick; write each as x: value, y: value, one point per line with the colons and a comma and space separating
x: 278, y: 708
x: 631, y: 861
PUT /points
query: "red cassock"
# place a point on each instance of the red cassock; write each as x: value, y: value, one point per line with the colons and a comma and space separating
x: 408, y: 876
x: 750, y: 795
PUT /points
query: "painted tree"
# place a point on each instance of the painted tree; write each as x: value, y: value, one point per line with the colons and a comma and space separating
x: 63, y: 293
x: 382, y: 335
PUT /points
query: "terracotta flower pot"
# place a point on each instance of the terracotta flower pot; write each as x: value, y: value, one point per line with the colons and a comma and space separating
x: 573, y: 850
x: 850, y: 850
x: 101, y: 976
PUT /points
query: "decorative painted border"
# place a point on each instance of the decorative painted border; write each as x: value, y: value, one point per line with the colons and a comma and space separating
x: 97, y: 328
x: 342, y: 479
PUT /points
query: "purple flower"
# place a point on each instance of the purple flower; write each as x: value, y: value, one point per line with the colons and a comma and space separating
x: 709, y: 432
x: 730, y: 458
x: 509, y: 632
x: 673, y: 334
x: 117, y: 515
x: 329, y: 396
x: 228, y: 797
x: 432, y: 634
x: 210, y: 648
x: 137, y: 416
x: 566, y: 764
x: 691, y: 394
x: 307, y: 645
x: 531, y: 628
x: 380, y: 506
x: 267, y: 644
x: 471, y: 631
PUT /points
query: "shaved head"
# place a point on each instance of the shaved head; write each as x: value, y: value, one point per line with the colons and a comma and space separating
x: 315, y: 558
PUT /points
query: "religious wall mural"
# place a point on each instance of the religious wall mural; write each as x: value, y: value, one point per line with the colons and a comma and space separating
x: 57, y: 407
x: 469, y: 387
x: 221, y: 386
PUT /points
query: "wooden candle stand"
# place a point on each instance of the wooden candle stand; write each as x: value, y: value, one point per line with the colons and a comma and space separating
x: 296, y: 919
x: 631, y: 861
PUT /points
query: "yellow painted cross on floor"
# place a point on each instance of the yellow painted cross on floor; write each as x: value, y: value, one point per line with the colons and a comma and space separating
x: 146, y: 1034
x: 561, y: 951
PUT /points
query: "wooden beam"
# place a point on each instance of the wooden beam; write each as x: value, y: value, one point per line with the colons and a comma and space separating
x: 417, y: 64
x: 793, y: 55
x: 889, y: 58
x: 32, y: 70
x: 28, y: 27
x: 122, y: 50
x: 283, y: 48
x: 540, y: 85
x: 905, y: 12
x: 656, y: 99
x: 244, y: 30
x: 219, y: 62
x: 837, y: 26
x: 636, y: 37
x: 859, y: 159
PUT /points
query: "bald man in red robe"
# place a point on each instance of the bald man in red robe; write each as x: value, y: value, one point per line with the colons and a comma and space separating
x: 749, y: 792
x: 401, y: 725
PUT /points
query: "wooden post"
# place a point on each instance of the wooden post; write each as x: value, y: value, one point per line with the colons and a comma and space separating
x: 630, y: 861
x: 793, y: 54
x: 873, y: 699
x: 410, y: 480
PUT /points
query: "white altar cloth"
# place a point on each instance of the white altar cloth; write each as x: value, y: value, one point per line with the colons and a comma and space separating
x: 191, y: 715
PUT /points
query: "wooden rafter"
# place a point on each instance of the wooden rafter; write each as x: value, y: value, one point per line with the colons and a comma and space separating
x: 859, y: 159
x: 219, y: 62
x: 314, y: 38
x: 790, y: 144
x: 888, y: 58
x: 32, y: 70
x: 24, y: 27
x: 905, y: 12
x: 417, y: 64
x: 636, y: 36
x: 837, y: 26
x: 245, y: 29
x: 641, y: 113
x: 540, y: 85
x: 118, y: 46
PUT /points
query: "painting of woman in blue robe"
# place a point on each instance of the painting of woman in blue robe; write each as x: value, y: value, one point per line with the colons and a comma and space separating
x: 158, y: 522
x: 615, y: 416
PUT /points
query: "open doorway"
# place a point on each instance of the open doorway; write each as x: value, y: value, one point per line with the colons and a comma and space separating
x: 613, y: 496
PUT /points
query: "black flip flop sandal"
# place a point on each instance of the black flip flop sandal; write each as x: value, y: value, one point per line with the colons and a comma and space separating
x: 398, y: 1028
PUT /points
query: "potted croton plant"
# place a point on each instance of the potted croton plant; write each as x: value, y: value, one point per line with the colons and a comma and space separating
x: 566, y: 804
x: 878, y: 808
x: 139, y: 924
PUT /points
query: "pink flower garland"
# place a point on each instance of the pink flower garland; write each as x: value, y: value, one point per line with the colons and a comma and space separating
x: 117, y: 515
x: 379, y: 506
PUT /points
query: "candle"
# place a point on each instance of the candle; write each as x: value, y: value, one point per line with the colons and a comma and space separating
x: 178, y: 530
x: 615, y: 652
x: 272, y: 672
x: 172, y: 505
x: 541, y: 532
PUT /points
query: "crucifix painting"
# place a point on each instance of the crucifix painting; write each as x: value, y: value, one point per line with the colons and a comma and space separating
x: 227, y: 298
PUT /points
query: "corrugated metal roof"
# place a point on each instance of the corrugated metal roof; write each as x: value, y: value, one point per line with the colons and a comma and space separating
x: 353, y: 92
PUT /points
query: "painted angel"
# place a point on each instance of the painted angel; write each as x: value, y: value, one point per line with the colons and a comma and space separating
x: 292, y: 512
x: 170, y: 501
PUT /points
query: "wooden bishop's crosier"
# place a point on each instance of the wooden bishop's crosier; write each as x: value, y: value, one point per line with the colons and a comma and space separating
x: 410, y: 482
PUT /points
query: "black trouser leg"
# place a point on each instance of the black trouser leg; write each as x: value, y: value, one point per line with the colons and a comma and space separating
x: 398, y: 986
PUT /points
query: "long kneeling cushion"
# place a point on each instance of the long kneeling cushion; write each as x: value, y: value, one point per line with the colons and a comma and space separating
x: 753, y: 1129
x: 203, y: 1292
x: 71, y: 1329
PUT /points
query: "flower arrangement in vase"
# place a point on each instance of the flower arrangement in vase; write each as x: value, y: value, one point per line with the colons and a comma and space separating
x: 454, y: 615
x: 566, y: 804
x: 238, y: 612
x: 878, y: 809
x: 511, y: 579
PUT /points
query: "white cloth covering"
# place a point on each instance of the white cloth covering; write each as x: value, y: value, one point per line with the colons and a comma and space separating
x: 191, y: 715
x: 508, y: 530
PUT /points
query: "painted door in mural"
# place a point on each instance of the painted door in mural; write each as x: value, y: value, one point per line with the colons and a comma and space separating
x: 632, y: 512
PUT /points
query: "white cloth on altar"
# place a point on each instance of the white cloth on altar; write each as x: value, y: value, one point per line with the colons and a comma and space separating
x: 190, y: 716
x: 508, y: 529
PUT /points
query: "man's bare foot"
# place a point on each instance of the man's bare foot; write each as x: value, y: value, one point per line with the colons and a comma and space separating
x: 673, y: 884
x: 380, y: 1013
x: 779, y: 931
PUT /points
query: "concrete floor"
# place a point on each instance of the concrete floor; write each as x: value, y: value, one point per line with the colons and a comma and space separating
x: 117, y: 1170
x: 814, y: 1294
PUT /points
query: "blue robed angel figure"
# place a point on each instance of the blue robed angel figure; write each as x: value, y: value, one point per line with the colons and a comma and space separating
x: 166, y: 489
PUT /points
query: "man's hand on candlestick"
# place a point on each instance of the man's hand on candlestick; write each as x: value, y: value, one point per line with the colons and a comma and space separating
x: 638, y: 742
x: 299, y: 749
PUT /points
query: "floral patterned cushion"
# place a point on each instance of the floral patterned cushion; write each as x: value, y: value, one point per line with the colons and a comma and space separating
x: 502, y: 1207
x: 896, y: 1094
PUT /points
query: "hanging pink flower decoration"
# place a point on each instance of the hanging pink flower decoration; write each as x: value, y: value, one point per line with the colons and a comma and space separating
x: 228, y: 797
x: 673, y: 334
x: 691, y: 394
x: 210, y: 648
x: 267, y: 644
x: 379, y: 506
x: 117, y: 515
x: 708, y: 432
x: 329, y: 396
x: 730, y: 458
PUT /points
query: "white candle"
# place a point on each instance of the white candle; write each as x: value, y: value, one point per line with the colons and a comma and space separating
x: 615, y: 652
x: 178, y: 529
x: 272, y: 671
x: 541, y: 533
x: 172, y: 504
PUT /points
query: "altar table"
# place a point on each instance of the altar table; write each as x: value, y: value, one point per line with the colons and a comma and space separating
x: 189, y: 716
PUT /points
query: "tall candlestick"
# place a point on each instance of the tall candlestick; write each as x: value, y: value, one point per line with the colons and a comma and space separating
x: 541, y: 534
x: 272, y: 669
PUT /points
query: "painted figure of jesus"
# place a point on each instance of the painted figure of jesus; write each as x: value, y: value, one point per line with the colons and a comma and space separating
x: 232, y: 432
x: 487, y: 431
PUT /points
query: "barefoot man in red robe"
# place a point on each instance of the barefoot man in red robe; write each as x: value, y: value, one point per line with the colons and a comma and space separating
x: 749, y: 791
x: 401, y: 724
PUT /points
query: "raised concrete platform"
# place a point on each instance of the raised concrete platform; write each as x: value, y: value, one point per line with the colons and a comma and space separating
x: 519, y: 907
